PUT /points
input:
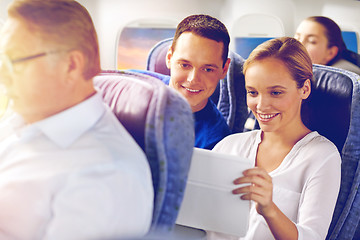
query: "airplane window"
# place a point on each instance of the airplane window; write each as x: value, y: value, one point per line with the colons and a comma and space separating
x: 135, y: 43
x: 252, y: 29
x: 245, y: 45
x: 350, y: 40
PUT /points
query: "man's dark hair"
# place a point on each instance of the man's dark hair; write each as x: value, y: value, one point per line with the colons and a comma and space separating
x: 207, y: 27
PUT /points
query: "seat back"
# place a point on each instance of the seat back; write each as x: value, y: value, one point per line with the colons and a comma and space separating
x: 161, y: 122
x: 328, y: 108
x: 156, y: 61
x: 333, y: 110
x: 230, y: 94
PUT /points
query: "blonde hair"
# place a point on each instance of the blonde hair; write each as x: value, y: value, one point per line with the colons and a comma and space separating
x: 65, y: 23
x: 288, y: 50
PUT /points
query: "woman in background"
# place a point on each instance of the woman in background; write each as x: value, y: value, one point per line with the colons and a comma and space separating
x: 322, y: 38
x: 295, y: 181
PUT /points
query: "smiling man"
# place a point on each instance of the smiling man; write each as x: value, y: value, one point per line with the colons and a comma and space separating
x: 198, y: 59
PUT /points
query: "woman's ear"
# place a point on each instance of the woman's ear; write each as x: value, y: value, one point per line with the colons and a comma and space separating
x: 306, y: 89
x: 331, y: 53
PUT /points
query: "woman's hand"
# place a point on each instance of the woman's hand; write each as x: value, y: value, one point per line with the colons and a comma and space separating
x: 260, y: 190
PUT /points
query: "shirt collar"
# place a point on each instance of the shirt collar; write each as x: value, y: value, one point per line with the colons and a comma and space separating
x: 10, y: 125
x: 67, y: 126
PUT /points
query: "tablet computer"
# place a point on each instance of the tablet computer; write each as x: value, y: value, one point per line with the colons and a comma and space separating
x: 208, y: 202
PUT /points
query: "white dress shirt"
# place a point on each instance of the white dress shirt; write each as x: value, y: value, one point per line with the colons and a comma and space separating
x: 305, y: 185
x: 75, y: 175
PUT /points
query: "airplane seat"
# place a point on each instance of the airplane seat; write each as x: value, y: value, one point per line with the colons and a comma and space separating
x: 230, y: 94
x: 156, y: 61
x: 161, y: 122
x: 352, y: 57
x: 333, y: 110
x: 331, y: 93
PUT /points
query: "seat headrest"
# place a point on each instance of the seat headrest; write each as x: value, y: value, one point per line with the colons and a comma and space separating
x: 128, y: 98
x: 156, y: 60
x: 328, y: 108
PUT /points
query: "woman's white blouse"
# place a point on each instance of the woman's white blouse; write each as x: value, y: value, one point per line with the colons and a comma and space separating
x: 305, y: 185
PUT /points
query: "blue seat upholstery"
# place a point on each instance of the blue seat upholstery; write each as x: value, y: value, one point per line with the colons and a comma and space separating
x: 161, y: 122
x: 328, y: 109
x: 333, y: 110
x: 232, y: 106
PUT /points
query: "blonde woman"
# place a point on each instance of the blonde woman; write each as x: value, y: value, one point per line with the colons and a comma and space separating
x: 295, y: 181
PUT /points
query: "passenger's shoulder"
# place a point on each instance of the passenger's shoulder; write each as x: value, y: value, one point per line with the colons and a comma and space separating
x: 320, y: 140
x: 320, y: 146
